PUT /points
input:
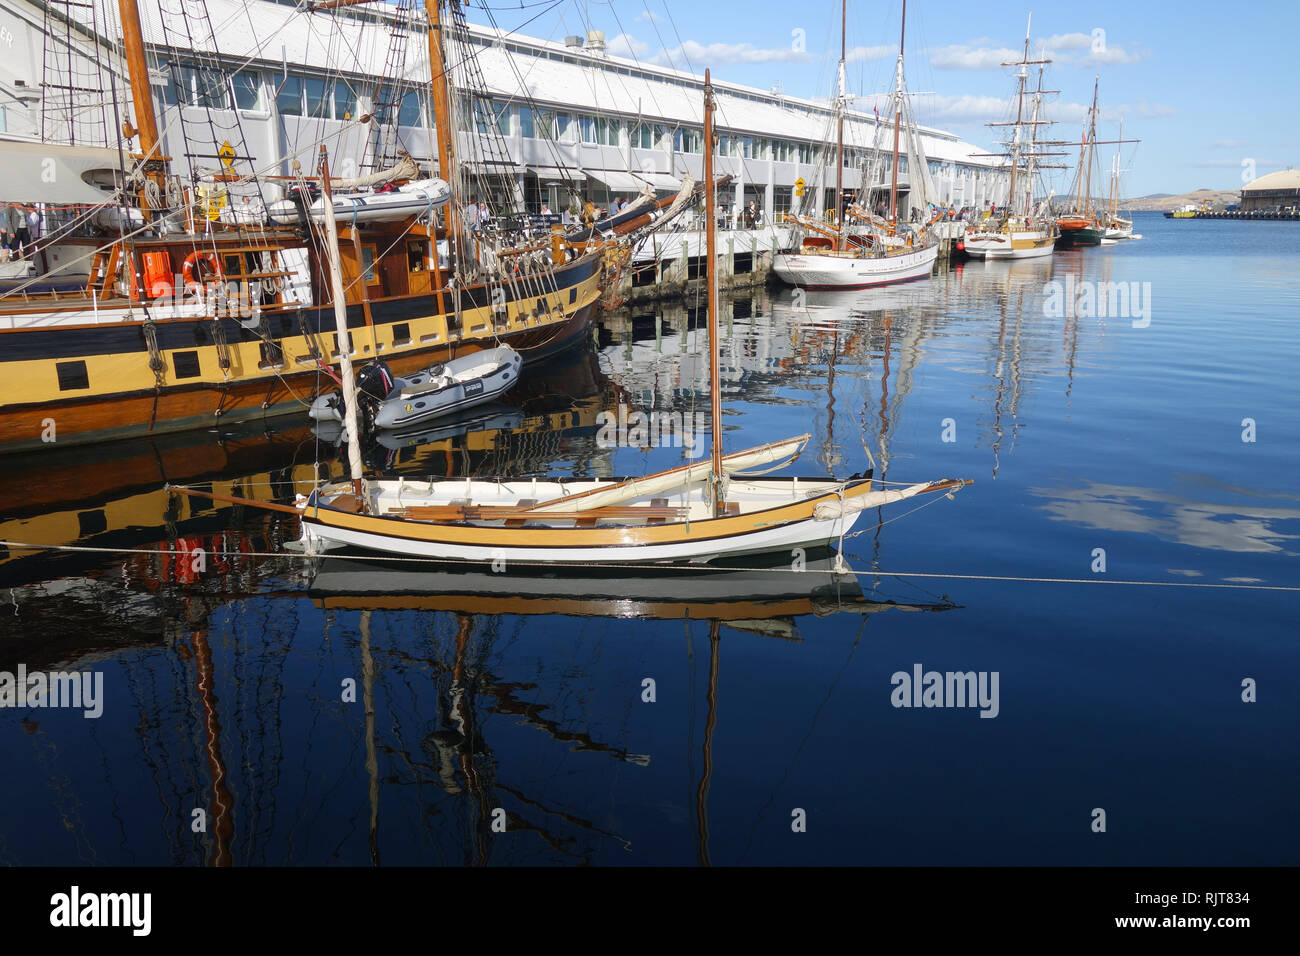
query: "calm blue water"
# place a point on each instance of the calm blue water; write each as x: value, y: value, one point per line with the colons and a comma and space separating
x: 223, y: 688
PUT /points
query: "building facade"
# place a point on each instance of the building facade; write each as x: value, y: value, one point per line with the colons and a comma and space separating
x: 563, y: 120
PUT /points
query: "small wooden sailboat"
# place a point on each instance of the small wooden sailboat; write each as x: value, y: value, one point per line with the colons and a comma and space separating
x: 872, y: 251
x: 693, y: 513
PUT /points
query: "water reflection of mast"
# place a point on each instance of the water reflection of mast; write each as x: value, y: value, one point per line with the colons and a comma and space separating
x: 701, y: 795
x: 372, y: 761
x: 223, y: 825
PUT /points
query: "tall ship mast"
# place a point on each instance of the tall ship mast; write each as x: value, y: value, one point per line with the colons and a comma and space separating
x: 1019, y: 230
x: 859, y: 247
x: 1086, y: 224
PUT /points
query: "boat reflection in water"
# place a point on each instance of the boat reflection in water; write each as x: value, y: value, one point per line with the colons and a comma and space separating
x: 761, y: 593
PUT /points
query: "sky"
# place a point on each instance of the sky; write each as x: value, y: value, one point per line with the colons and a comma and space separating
x: 1208, y: 88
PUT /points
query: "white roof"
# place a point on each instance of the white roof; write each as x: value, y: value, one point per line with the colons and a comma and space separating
x: 353, y: 41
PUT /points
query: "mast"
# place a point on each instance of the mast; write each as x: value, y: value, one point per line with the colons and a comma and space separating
x: 349, y: 384
x: 1020, y: 117
x: 442, y: 115
x: 1086, y: 172
x: 1032, y: 154
x: 711, y: 257
x: 898, y: 118
x: 839, y: 109
x: 146, y: 124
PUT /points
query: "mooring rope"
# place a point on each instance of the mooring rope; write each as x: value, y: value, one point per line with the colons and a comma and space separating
x: 689, y: 568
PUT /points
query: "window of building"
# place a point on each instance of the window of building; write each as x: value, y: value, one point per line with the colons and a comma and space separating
x: 320, y: 98
x: 688, y: 141
x: 564, y: 128
x: 502, y: 113
x: 782, y: 201
x: 410, y: 113
x: 643, y: 136
x: 587, y: 124
x: 248, y: 91
x: 289, y: 100
x: 525, y: 115
x: 346, y: 100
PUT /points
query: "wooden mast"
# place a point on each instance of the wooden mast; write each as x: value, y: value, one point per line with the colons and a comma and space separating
x: 1092, y: 147
x: 146, y: 124
x: 1020, y: 117
x: 839, y: 108
x: 711, y: 257
x: 348, y: 382
x: 443, y: 127
x: 898, y: 120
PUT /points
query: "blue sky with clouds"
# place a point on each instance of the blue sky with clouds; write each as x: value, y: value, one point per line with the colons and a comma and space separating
x: 1205, y: 86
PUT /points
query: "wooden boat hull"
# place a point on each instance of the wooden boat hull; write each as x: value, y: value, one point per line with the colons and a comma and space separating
x: 791, y: 523
x: 89, y: 382
x: 833, y: 271
x: 1015, y: 244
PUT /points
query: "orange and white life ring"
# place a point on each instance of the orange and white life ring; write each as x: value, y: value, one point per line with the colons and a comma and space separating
x: 211, y: 265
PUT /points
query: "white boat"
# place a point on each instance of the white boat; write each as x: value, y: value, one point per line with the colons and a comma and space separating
x: 1011, y: 238
x: 852, y: 270
x: 409, y: 199
x: 1021, y: 231
x: 435, y: 392
x: 873, y: 251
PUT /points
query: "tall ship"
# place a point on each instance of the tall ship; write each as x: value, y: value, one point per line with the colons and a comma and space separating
x: 170, y: 292
x: 860, y: 244
x: 1022, y: 229
x: 1089, y: 222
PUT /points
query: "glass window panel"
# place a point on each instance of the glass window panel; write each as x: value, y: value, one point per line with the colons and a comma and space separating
x: 320, y: 100
x: 525, y: 121
x: 248, y: 91
x: 289, y: 100
x: 409, y: 112
x: 588, y: 126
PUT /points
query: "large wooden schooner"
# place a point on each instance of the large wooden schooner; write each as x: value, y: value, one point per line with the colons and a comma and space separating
x: 203, y: 300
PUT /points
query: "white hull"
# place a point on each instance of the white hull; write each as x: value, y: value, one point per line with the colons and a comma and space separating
x: 798, y: 534
x: 1020, y: 244
x: 832, y: 271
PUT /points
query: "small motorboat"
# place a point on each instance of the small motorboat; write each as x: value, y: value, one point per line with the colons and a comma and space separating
x: 436, y: 392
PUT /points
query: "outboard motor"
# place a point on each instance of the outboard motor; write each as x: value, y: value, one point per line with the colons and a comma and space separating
x: 374, y: 384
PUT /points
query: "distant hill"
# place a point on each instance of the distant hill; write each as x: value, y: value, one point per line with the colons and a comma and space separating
x: 1162, y: 201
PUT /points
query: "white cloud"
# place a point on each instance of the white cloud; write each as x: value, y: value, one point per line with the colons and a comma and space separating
x: 714, y: 53
x: 1230, y: 143
x: 962, y: 108
x: 627, y: 45
x: 869, y: 53
x: 960, y: 57
x: 646, y: 17
x: 1069, y: 41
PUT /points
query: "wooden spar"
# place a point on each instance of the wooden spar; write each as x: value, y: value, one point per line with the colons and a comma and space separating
x: 675, y: 477
x: 839, y: 108
x: 443, y: 131
x: 898, y: 119
x: 146, y: 124
x: 711, y: 257
x: 341, y: 327
x: 230, y: 499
